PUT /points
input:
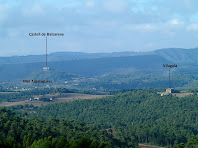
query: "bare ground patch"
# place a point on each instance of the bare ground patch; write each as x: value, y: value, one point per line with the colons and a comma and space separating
x: 67, y: 97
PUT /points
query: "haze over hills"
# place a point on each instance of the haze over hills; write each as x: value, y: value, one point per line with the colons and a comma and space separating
x: 88, y: 67
x: 97, y: 64
x: 178, y: 55
x: 61, y: 56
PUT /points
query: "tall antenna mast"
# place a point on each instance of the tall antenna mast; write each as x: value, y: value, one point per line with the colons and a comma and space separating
x: 169, y: 78
x: 46, y: 68
x: 46, y: 51
x: 170, y: 66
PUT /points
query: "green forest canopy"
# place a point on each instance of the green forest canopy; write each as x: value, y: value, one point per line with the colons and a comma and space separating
x: 137, y: 115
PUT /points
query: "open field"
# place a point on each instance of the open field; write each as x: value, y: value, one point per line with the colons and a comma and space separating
x: 176, y: 94
x: 148, y: 146
x: 74, y: 96
x: 9, y: 92
x: 66, y: 97
x: 182, y: 94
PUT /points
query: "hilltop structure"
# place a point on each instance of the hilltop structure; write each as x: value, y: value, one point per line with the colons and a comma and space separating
x: 45, y: 68
x: 170, y: 90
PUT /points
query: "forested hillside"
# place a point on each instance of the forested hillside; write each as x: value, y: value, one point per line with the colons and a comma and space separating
x: 19, y: 132
x: 107, y: 70
x: 140, y: 81
x: 87, y: 67
x: 97, y: 64
x: 55, y: 76
x: 137, y: 115
x: 62, y: 56
x: 179, y: 55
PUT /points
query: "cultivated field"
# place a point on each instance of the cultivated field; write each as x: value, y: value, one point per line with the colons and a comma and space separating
x: 66, y: 97
x: 8, y: 92
x: 148, y: 146
x: 176, y: 94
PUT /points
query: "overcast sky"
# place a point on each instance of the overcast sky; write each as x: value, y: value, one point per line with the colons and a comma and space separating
x: 97, y: 25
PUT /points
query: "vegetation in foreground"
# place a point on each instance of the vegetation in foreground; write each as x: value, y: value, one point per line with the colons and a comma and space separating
x: 137, y: 116
x: 17, y: 132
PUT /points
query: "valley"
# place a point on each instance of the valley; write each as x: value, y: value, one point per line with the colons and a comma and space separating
x: 123, y: 97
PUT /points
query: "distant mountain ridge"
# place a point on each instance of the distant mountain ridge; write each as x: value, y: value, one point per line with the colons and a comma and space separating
x: 87, y: 67
x: 97, y: 64
x: 177, y: 55
x: 61, y: 56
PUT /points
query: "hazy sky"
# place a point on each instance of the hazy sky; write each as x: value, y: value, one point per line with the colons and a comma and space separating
x: 97, y: 25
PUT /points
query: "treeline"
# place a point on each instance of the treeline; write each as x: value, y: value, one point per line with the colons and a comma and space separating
x: 17, y: 132
x: 137, y: 116
x: 139, y: 81
x: 55, y: 76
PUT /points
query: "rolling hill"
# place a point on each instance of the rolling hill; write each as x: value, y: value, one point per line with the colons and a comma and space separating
x: 88, y: 67
x: 179, y: 55
x: 98, y: 64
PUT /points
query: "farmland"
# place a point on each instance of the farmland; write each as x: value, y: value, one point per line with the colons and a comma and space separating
x: 59, y: 97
